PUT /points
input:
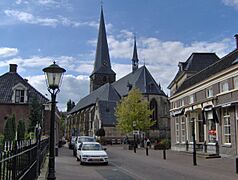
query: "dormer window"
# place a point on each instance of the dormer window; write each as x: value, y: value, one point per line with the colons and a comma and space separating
x: 19, y: 93
x: 19, y: 96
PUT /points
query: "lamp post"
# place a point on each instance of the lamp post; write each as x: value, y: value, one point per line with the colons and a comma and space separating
x: 54, y: 75
x: 134, y: 126
x: 194, y: 143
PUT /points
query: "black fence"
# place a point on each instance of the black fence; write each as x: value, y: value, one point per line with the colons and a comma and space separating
x: 22, y: 160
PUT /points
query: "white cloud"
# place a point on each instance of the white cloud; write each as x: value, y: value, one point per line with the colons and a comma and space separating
x: 7, y: 52
x: 73, y: 87
x: 29, y: 18
x: 232, y: 3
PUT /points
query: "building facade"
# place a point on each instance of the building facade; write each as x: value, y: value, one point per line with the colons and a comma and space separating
x: 97, y: 110
x: 207, y: 99
x: 16, y: 95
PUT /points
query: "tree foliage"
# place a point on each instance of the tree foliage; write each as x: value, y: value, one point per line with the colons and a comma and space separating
x: 10, y: 129
x: 133, y: 108
x: 70, y: 105
x: 35, y: 114
x: 21, y: 130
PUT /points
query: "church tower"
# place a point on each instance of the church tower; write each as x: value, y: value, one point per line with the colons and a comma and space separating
x: 102, y: 72
x: 135, y: 60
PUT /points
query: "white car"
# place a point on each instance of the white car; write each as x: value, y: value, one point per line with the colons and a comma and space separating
x: 91, y: 152
x: 81, y: 139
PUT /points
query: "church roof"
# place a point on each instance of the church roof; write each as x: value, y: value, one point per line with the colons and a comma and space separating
x: 9, y: 80
x: 141, y: 79
x: 107, y: 111
x: 103, y: 93
x: 102, y: 64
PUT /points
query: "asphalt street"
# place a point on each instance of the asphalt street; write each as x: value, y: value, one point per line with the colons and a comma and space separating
x: 127, y: 165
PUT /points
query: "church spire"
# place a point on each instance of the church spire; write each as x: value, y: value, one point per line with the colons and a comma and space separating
x: 135, y: 60
x: 102, y: 65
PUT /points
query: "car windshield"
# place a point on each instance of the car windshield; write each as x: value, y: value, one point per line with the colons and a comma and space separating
x: 86, y: 139
x: 92, y: 147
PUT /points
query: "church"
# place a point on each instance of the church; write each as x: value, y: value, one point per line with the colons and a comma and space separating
x: 97, y: 109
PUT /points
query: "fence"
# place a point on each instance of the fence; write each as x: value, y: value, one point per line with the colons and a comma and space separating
x: 21, y: 160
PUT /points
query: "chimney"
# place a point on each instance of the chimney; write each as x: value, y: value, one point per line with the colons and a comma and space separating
x: 13, y: 68
x: 236, y: 36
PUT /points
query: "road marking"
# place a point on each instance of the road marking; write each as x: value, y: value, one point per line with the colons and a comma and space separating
x: 127, y: 171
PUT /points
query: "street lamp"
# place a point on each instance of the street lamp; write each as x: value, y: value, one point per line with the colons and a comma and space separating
x: 194, y: 143
x: 134, y: 126
x: 54, y: 75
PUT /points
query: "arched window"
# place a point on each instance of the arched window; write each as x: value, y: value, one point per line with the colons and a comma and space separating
x: 154, y: 116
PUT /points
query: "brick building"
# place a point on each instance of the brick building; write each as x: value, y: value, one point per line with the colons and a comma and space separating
x: 208, y: 97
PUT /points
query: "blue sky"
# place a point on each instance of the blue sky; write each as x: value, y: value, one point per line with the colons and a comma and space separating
x: 34, y: 33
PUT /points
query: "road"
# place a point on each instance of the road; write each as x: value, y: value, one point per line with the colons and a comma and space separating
x: 127, y: 165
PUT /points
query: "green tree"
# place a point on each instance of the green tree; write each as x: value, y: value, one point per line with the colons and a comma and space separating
x: 133, y: 109
x: 70, y: 105
x: 35, y: 114
x: 10, y: 129
x: 21, y: 130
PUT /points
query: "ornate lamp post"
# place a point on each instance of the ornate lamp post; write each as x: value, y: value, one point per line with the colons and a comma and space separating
x: 54, y: 75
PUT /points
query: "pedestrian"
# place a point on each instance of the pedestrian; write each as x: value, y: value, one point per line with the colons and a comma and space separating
x: 148, y: 142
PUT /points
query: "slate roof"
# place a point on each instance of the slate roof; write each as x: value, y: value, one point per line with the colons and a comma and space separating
x: 141, y: 79
x: 107, y: 111
x: 195, y: 63
x: 103, y: 93
x: 102, y: 64
x: 9, y: 80
x: 226, y: 62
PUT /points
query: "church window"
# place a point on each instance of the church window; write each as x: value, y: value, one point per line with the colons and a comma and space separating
x: 154, y: 107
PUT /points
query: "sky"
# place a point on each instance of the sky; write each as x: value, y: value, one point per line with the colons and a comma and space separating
x: 34, y: 33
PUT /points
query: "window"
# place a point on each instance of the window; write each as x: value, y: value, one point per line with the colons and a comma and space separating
x: 226, y: 126
x: 191, y: 99
x: 235, y: 80
x: 19, y: 96
x: 209, y: 92
x: 177, y: 129
x: 224, y: 86
x: 211, y: 126
x: 182, y: 102
x: 154, y: 107
x: 183, y: 130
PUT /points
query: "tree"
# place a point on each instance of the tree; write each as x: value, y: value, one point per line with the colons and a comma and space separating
x: 21, y: 130
x: 35, y: 114
x: 133, y: 109
x: 10, y: 129
x: 70, y: 105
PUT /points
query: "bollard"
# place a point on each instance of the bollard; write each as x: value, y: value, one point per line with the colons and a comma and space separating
x: 236, y: 165
x: 146, y: 150
x: 205, y: 147
x: 217, y: 148
x: 164, y: 153
x: 186, y: 145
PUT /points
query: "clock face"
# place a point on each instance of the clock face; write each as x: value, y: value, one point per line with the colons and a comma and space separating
x: 104, y: 63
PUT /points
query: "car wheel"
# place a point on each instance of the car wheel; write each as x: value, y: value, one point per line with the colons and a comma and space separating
x: 106, y: 163
x: 78, y: 158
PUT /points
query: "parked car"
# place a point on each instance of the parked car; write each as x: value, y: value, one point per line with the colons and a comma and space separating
x: 72, y: 142
x: 91, y: 152
x: 81, y: 139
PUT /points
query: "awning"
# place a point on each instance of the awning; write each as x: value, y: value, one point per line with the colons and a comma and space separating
x: 177, y: 112
x: 227, y: 104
